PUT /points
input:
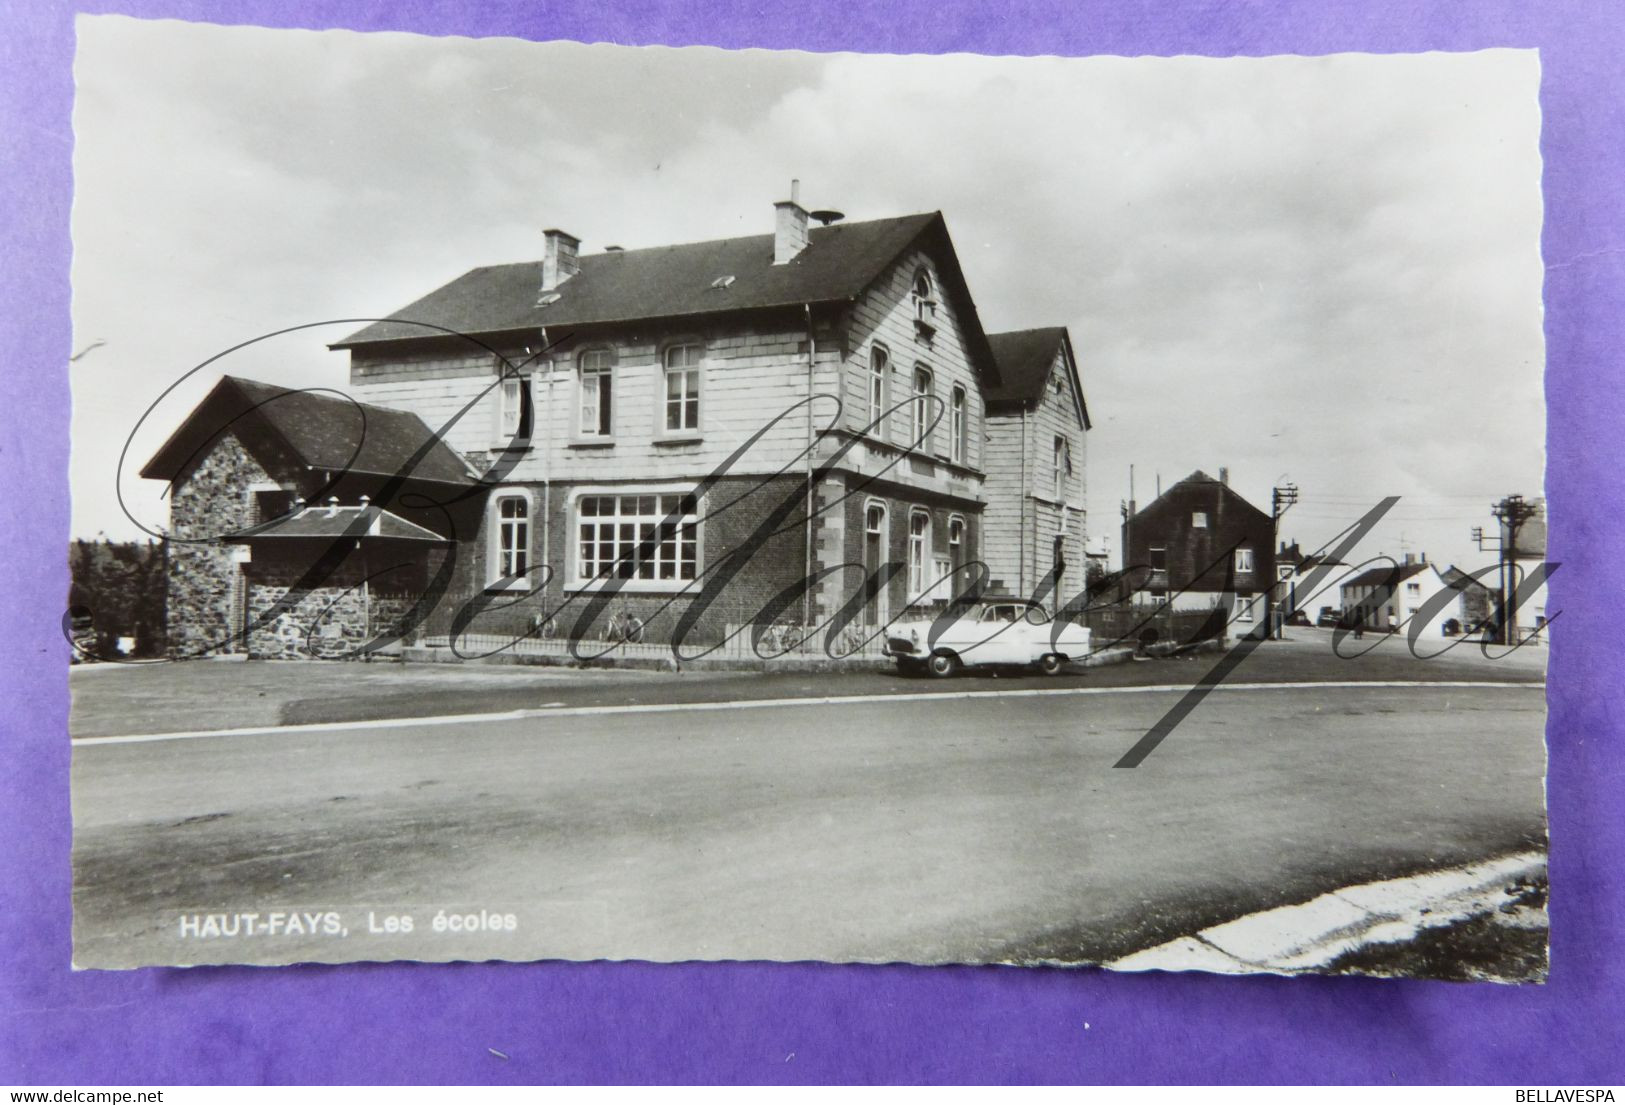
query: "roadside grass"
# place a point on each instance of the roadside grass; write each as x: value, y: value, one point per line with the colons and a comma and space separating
x: 1507, y: 944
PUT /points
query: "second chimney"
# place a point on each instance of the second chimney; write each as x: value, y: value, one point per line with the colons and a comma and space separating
x: 789, y: 226
x: 560, y: 259
x: 1224, y: 476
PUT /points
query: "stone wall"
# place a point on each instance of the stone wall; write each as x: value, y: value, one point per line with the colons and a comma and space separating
x: 331, y: 622
x: 205, y: 582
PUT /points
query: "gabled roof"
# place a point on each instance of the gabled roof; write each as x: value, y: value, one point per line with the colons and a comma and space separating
x: 336, y: 521
x: 1026, y: 359
x: 1458, y: 580
x: 1196, y: 477
x: 320, y: 430
x: 673, y: 281
x: 1390, y: 576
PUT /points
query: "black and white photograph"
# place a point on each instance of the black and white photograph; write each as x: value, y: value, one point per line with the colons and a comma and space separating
x: 562, y: 501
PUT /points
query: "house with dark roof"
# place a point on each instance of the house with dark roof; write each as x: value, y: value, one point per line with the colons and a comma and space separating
x: 1199, y: 545
x: 1035, y: 523
x: 257, y: 476
x: 1415, y: 593
x: 684, y: 432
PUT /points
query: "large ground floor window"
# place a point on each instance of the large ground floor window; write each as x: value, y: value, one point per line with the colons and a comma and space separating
x: 643, y: 536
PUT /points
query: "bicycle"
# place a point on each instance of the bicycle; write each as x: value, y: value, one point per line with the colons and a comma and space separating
x: 781, y: 637
x: 623, y: 629
x: 848, y: 642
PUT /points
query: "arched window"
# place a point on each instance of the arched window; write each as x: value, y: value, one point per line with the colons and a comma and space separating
x: 510, y: 543
x: 919, y: 548
x: 924, y: 295
x: 922, y: 406
x: 959, y: 442
x: 596, y: 391
x: 874, y: 558
x: 683, y: 387
x: 956, y: 543
x: 879, y: 365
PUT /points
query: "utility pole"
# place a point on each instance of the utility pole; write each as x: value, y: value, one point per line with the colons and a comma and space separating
x: 1282, y: 499
x: 1512, y: 511
x: 1487, y: 544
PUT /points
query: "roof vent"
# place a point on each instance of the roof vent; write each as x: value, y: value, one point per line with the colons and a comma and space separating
x: 827, y: 217
x: 548, y: 299
x: 614, y: 249
x: 722, y: 282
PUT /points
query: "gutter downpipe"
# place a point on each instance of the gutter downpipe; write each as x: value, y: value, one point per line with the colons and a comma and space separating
x: 1021, y: 537
x: 547, y: 465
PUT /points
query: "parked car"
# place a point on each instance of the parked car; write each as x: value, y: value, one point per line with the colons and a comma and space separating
x: 992, y: 633
x: 1330, y: 617
x: 1298, y: 617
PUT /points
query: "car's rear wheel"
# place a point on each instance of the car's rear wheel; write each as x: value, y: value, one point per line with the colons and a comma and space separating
x: 942, y: 664
x: 1050, y: 663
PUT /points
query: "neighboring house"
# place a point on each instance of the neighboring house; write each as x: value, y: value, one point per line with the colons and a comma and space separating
x: 257, y: 473
x: 1297, y: 588
x: 583, y: 401
x: 1201, y: 545
x: 1396, y: 596
x: 1477, y: 597
x: 1035, y: 526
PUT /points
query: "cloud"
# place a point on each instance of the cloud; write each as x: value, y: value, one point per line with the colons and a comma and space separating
x: 1321, y: 267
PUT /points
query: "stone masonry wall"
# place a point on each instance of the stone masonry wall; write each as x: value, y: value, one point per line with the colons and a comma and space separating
x: 204, y: 579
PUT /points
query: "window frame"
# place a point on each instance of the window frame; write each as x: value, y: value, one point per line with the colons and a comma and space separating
x: 1060, y: 468
x: 957, y: 532
x: 920, y: 544
x: 496, y: 543
x: 515, y: 404
x: 959, y: 420
x: 607, y: 372
x: 1244, y: 560
x: 691, y: 373
x: 878, y: 384
x: 920, y: 407
x: 1199, y: 519
x: 883, y: 532
x: 578, y: 580
x: 1244, y: 607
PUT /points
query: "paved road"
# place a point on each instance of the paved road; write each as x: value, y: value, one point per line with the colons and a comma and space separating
x: 985, y: 828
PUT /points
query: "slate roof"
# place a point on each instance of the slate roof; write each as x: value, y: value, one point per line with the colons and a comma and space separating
x: 1458, y: 580
x: 661, y: 282
x: 1387, y: 577
x: 1197, y: 476
x: 1024, y: 358
x: 336, y: 521
x: 319, y: 429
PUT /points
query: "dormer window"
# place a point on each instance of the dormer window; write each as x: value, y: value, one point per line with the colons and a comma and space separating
x: 924, y: 296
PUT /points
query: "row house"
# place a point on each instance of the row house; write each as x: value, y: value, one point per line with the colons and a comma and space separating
x: 722, y: 419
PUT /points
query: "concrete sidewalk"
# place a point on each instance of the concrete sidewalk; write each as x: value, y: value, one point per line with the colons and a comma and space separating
x: 1312, y: 935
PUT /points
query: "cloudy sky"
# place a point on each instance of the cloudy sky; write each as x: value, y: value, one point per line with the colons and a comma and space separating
x: 1316, y: 270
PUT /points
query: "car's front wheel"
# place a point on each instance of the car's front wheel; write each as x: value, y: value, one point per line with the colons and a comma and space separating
x: 1050, y: 663
x: 942, y: 664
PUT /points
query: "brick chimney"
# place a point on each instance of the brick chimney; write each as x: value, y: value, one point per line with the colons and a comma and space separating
x: 559, y: 259
x: 789, y: 226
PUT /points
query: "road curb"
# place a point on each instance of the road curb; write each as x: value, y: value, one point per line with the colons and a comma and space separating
x: 1308, y: 936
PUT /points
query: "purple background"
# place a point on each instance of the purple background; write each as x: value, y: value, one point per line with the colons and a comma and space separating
x: 739, y: 1022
